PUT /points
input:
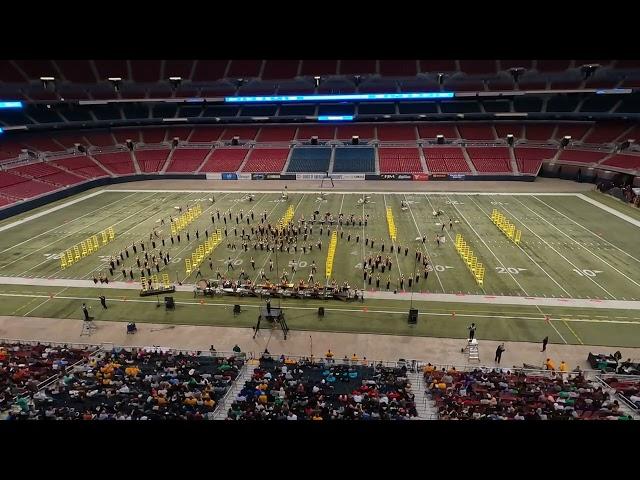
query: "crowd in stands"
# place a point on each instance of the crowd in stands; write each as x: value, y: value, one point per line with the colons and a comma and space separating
x: 504, y: 395
x: 629, y: 387
x: 306, y: 390
x: 24, y: 367
x: 134, y: 385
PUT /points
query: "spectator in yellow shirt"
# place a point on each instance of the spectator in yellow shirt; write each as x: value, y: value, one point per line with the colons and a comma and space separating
x: 354, y: 358
x: 549, y: 365
x: 428, y: 368
x: 329, y: 355
x: 563, y: 367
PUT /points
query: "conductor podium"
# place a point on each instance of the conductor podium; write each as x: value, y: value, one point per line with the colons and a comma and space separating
x: 275, y: 316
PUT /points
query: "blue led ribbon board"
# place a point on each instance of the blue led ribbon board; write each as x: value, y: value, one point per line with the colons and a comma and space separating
x: 10, y: 104
x: 342, y: 98
x: 1, y: 130
x: 335, y: 118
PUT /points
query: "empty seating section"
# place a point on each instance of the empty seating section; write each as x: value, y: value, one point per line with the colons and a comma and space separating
x: 276, y: 134
x: 399, y: 160
x: 15, y: 186
x: 365, y: 132
x: 266, y: 160
x: 323, y: 132
x: 119, y: 163
x: 48, y: 173
x: 539, y: 131
x: 445, y: 160
x: 9, y: 149
x: 581, y: 156
x: 490, y: 159
x: 187, y: 159
x: 245, y: 133
x: 628, y: 162
x: 530, y: 159
x: 476, y: 132
x: 81, y: 165
x: 575, y: 131
x: 44, y: 144
x: 151, y: 161
x: 309, y: 159
x: 515, y: 129
x: 432, y: 130
x: 205, y: 134
x: 396, y: 133
x: 354, y: 159
x: 101, y: 139
x: 154, y: 135
x: 605, y: 133
x: 225, y: 160
x: 122, y: 136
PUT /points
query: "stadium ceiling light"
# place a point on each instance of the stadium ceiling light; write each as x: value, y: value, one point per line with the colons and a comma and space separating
x: 317, y: 80
x: 116, y: 82
x: 175, y: 81
x: 47, y: 79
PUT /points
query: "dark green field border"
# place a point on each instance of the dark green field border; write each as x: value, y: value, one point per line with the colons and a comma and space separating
x: 495, y: 322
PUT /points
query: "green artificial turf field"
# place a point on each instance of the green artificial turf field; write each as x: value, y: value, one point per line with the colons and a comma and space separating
x: 570, y: 249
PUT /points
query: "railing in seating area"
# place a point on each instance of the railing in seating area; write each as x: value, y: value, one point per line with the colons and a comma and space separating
x: 603, y: 377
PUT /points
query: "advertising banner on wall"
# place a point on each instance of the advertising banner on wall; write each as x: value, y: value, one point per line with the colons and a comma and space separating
x: 421, y: 177
x: 244, y: 176
x: 457, y: 176
x: 396, y: 176
x: 439, y: 176
x: 229, y: 176
x: 348, y: 176
x: 213, y: 176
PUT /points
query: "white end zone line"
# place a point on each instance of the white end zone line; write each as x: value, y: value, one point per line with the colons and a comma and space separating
x: 359, y: 193
x: 606, y: 208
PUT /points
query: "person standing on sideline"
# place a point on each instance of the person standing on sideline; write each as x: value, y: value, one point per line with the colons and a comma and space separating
x: 85, y: 311
x: 103, y: 301
x: 268, y: 306
x: 545, y: 340
x: 472, y: 331
x: 499, y: 352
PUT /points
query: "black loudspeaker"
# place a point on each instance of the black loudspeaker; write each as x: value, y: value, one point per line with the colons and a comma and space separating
x: 236, y: 309
x: 169, y: 303
x: 174, y: 142
x: 321, y: 311
x: 314, y: 140
x: 440, y: 139
x: 413, y: 316
x: 235, y: 140
x: 355, y: 140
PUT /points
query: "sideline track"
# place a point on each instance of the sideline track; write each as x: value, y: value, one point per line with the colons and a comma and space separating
x: 379, y: 295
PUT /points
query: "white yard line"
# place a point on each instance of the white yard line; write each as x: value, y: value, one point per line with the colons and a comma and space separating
x: 488, y: 248
x: 557, y: 252
x: 424, y: 245
x: 271, y: 253
x: 395, y: 250
x: 380, y: 295
x: 101, y: 220
x: 103, y: 265
x: 526, y: 253
x: 557, y: 331
x: 580, y: 245
x: 188, y: 245
x: 58, y: 239
x: 353, y: 310
x: 588, y: 230
x: 66, y: 224
x: 606, y: 208
x: 524, y: 194
x: 50, y: 210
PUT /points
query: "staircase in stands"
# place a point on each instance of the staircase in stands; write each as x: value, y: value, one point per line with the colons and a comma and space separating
x: 424, y: 405
x: 243, y: 376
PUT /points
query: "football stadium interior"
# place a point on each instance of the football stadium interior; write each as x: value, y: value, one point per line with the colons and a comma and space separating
x: 320, y: 239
